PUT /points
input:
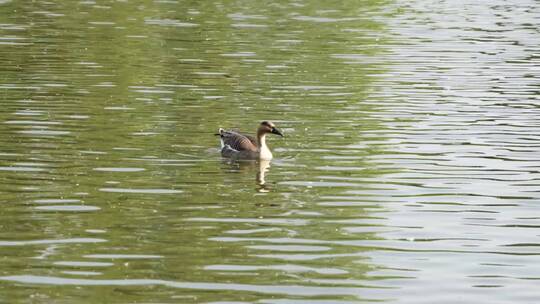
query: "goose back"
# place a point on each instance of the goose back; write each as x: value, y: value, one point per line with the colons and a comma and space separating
x: 238, y: 141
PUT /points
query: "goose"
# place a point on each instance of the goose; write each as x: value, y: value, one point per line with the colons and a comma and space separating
x: 239, y: 146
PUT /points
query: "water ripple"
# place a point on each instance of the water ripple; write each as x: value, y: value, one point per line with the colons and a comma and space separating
x: 265, y: 289
x: 51, y: 242
x: 141, y: 191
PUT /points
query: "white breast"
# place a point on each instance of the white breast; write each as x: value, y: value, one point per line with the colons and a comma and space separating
x: 265, y: 153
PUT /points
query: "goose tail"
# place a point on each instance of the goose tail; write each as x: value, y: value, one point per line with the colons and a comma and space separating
x: 220, y: 134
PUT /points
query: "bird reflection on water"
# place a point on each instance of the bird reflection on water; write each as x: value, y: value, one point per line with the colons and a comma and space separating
x: 264, y: 167
x: 260, y: 167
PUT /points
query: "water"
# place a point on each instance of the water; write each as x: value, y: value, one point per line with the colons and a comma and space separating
x: 409, y: 172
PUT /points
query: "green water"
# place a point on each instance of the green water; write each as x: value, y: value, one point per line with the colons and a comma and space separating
x: 408, y: 173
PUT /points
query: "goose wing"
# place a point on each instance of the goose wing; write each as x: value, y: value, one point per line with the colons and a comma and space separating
x: 252, y: 139
x: 238, y: 141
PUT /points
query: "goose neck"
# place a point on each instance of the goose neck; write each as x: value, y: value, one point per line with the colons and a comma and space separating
x: 261, y: 138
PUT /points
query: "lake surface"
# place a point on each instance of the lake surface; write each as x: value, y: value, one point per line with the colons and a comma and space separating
x: 409, y: 173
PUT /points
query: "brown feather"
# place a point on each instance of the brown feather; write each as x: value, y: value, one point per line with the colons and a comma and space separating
x: 239, y: 142
x: 252, y: 139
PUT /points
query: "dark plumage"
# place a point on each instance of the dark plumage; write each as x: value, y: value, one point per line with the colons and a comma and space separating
x: 240, y: 146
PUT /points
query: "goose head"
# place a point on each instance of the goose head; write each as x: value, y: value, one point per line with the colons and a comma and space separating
x: 267, y: 127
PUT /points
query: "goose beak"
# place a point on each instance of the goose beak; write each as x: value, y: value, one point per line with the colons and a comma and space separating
x: 277, y: 132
